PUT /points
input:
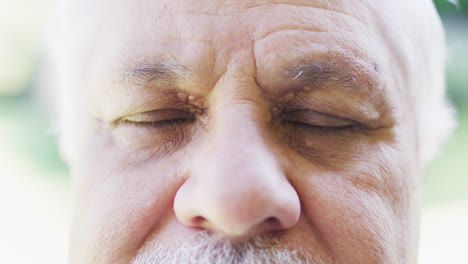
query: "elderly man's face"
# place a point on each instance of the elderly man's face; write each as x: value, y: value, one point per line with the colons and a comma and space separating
x: 241, y: 131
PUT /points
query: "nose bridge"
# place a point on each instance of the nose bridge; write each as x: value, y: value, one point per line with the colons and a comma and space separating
x: 239, y: 143
x: 236, y: 184
x: 241, y: 127
x: 242, y: 158
x: 242, y: 168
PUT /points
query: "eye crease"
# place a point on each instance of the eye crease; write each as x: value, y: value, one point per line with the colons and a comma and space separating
x: 159, y: 118
x: 316, y: 119
x: 304, y: 117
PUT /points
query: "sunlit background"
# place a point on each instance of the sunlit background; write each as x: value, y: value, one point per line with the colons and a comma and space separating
x: 35, y: 186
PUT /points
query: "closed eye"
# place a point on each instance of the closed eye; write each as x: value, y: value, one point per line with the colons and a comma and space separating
x: 310, y: 118
x: 159, y: 118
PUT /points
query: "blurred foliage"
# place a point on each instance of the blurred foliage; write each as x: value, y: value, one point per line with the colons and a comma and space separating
x: 452, y: 8
x: 454, y: 15
x: 457, y: 75
x: 33, y: 136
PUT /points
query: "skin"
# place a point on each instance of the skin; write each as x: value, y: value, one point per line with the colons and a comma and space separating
x: 288, y: 118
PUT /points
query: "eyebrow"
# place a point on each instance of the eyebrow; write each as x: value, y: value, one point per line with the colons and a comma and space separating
x: 315, y: 73
x: 163, y: 72
x: 306, y: 74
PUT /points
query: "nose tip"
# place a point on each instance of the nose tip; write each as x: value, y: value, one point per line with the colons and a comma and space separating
x: 237, y: 210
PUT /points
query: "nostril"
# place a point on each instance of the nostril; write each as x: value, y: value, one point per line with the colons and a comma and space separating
x: 273, y: 222
x: 198, y: 221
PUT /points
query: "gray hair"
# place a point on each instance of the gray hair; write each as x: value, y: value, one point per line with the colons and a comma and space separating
x: 210, y: 249
x: 71, y: 31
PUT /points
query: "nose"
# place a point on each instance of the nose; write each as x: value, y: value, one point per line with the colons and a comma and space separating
x: 236, y: 186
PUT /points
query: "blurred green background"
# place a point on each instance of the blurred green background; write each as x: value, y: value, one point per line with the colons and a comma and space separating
x: 35, y: 186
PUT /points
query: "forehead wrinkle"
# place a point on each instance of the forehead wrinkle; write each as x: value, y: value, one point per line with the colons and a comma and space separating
x: 213, y: 7
x: 217, y: 7
x: 314, y: 20
x: 235, y: 8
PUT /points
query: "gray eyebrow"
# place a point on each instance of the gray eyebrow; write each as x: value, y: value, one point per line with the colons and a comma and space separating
x: 314, y: 73
x: 163, y: 72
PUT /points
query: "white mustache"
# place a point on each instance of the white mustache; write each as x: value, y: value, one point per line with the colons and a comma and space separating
x: 212, y: 249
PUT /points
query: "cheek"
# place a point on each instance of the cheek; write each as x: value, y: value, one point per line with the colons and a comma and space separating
x: 360, y: 209
x: 355, y: 226
x: 118, y: 200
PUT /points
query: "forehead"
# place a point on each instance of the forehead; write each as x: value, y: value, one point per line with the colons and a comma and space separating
x: 209, y: 34
x: 230, y: 24
x: 257, y: 17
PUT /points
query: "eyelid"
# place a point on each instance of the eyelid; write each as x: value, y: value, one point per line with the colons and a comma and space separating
x: 158, y: 115
x: 315, y: 118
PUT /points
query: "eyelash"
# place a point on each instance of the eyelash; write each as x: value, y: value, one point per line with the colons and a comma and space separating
x: 171, y: 123
x: 177, y: 123
x: 319, y: 129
